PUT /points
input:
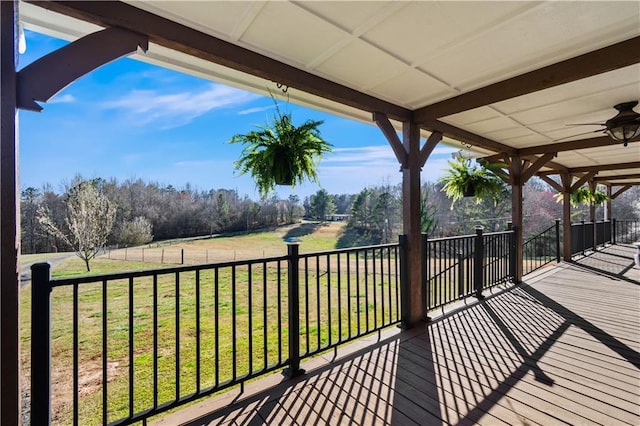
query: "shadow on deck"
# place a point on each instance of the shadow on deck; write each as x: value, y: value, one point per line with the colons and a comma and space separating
x: 561, y: 348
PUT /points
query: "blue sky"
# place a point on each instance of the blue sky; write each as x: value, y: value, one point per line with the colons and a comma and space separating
x: 129, y: 119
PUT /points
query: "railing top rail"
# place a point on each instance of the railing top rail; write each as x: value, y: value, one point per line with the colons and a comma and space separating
x: 551, y: 228
x: 84, y: 279
x: 507, y: 232
x: 348, y: 250
x: 469, y: 236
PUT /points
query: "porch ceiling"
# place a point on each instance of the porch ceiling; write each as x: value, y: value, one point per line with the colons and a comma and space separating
x: 424, y: 60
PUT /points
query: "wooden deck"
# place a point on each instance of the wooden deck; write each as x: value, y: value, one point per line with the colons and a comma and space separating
x: 562, y: 348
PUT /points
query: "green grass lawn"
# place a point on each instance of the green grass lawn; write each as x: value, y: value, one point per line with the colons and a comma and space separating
x: 246, y: 317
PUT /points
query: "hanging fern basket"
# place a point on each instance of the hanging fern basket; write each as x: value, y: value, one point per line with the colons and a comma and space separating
x: 469, y: 190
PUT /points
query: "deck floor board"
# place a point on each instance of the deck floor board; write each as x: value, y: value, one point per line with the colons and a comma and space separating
x: 563, y: 348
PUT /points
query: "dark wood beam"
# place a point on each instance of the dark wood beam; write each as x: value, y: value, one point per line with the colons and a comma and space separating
x: 432, y: 141
x: 555, y: 185
x: 466, y: 136
x: 43, y: 78
x: 567, y: 146
x: 620, y: 191
x: 604, y: 167
x: 619, y: 166
x: 582, y: 180
x: 609, y: 58
x: 616, y: 177
x: 536, y: 165
x: 392, y: 137
x: 181, y: 38
x: 571, y: 145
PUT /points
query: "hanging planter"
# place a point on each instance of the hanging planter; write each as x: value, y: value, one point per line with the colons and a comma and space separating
x: 583, y: 195
x: 464, y: 179
x: 469, y: 190
x: 281, y: 153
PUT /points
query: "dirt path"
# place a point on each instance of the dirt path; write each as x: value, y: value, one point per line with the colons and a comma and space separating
x: 54, y: 259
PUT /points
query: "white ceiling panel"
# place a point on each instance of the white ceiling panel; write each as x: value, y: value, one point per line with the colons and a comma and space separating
x: 302, y: 39
x: 549, y: 33
x: 362, y: 66
x: 409, y: 87
x: 424, y: 29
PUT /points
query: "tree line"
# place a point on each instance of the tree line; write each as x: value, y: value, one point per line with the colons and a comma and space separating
x: 145, y: 211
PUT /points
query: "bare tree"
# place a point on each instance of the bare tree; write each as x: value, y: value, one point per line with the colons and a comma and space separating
x: 88, y: 222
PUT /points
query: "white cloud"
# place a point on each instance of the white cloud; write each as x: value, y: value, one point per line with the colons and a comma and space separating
x: 363, y: 154
x: 254, y: 110
x: 177, y: 109
x: 62, y: 99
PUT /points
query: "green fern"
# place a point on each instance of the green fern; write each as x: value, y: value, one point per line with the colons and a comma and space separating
x: 461, y: 175
x: 281, y: 153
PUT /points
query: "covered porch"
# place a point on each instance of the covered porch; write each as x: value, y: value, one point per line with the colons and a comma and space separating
x: 561, y: 348
x: 548, y: 351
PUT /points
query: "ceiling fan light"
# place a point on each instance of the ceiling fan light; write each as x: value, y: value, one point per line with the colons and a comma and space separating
x: 624, y: 132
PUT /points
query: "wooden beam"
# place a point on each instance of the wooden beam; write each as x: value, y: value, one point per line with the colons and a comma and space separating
x: 620, y: 191
x: 582, y: 180
x: 536, y: 165
x: 568, y: 146
x: 392, y: 137
x: 45, y: 77
x: 466, y: 136
x: 616, y: 177
x: 619, y: 166
x: 172, y: 35
x: 603, y: 60
x: 555, y: 185
x: 604, y: 167
x: 432, y: 141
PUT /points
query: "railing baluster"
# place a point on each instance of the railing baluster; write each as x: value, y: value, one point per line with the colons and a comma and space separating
x: 216, y: 314
x: 234, y: 354
x: 306, y: 302
x: 279, y: 282
x: 349, y: 293
x: 250, y: 316
x: 75, y: 355
x: 329, y: 329
x: 155, y: 341
x: 264, y: 315
x: 198, y: 371
x: 339, y: 269
x: 104, y: 353
x: 177, y: 336
x: 131, y: 342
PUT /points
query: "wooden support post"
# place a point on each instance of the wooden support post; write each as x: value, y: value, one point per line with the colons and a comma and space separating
x: 592, y: 206
x: 607, y: 204
x: 9, y: 217
x: 515, y: 172
x: 411, y: 222
x: 411, y: 158
x: 566, y: 216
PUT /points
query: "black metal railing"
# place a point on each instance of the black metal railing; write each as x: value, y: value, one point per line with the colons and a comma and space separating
x: 459, y: 267
x: 625, y: 231
x: 149, y: 341
x: 588, y: 236
x: 541, y: 249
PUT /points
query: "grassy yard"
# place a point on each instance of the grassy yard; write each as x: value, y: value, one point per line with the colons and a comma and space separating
x: 223, y: 319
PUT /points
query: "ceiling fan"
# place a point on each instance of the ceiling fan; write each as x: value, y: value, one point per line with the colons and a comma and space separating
x: 623, y: 127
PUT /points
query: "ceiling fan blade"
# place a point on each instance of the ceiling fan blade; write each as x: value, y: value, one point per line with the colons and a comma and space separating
x: 586, y: 124
x: 579, y: 134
